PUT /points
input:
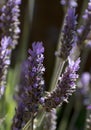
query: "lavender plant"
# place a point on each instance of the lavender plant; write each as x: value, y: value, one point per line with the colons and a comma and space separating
x: 39, y: 106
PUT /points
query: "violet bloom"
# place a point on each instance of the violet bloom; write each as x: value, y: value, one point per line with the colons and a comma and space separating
x: 9, y: 22
x: 84, y: 29
x: 84, y: 88
x: 31, y: 87
x: 65, y: 87
x: 5, y: 53
x: 9, y: 29
x: 69, y: 34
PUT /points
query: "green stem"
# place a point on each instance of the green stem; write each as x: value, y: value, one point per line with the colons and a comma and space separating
x: 32, y: 123
x: 85, y: 54
x: 66, y: 115
x: 40, y: 119
x: 59, y: 62
x: 27, y: 125
x: 57, y: 75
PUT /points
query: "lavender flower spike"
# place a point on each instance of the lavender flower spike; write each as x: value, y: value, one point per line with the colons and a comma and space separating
x: 31, y: 87
x: 85, y: 28
x: 9, y: 29
x: 50, y: 120
x: 88, y: 118
x: 5, y: 53
x: 69, y: 34
x: 9, y: 21
x: 65, y: 87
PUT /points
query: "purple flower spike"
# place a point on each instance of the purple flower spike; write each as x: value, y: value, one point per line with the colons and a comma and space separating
x: 71, y: 16
x: 9, y: 22
x: 5, y: 53
x: 9, y: 13
x: 6, y: 42
x: 69, y: 34
x: 31, y: 86
x: 84, y: 29
x: 88, y: 119
x: 65, y: 87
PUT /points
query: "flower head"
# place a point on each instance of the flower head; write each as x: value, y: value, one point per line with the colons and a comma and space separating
x: 84, y: 29
x: 5, y: 53
x: 31, y: 86
x: 65, y: 87
x: 9, y: 20
x: 69, y: 34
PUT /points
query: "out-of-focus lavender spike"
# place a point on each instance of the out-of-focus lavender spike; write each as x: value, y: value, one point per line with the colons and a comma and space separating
x: 9, y: 22
x: 84, y: 29
x: 84, y: 88
x: 65, y: 87
x: 70, y: 3
x: 5, y: 53
x: 9, y: 30
x: 73, y: 3
x: 68, y: 34
x: 88, y: 123
x: 88, y: 118
x: 50, y: 120
x: 85, y: 80
x: 31, y: 88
